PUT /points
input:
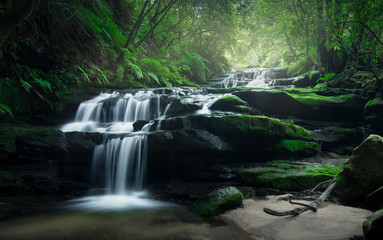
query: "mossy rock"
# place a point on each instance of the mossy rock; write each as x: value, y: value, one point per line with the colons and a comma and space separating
x: 297, y: 147
x: 289, y: 177
x: 248, y: 134
x: 363, y: 172
x: 28, y: 141
x: 308, y: 104
x: 373, y: 226
x: 339, y: 140
x: 235, y: 125
x: 373, y: 112
x: 219, y: 201
x: 309, y: 80
x: 230, y: 103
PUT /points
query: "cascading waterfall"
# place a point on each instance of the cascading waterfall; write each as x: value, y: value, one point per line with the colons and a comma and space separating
x: 119, y: 164
x: 253, y: 77
x: 124, y: 163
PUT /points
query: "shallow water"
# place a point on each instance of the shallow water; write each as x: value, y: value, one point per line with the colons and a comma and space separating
x: 88, y: 218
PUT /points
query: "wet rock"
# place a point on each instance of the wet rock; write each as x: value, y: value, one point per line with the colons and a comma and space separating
x: 307, y: 80
x: 230, y: 103
x: 219, y: 201
x: 339, y: 140
x: 373, y: 111
x: 184, y: 155
x: 363, y: 172
x: 32, y: 142
x: 258, y: 137
x: 373, y: 226
x: 306, y: 104
x: 182, y: 107
x: 288, y: 176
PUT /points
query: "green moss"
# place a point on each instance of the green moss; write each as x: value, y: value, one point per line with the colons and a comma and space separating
x: 374, y: 102
x: 289, y: 176
x: 230, y: 103
x: 268, y: 126
x: 219, y: 201
x: 304, y: 147
x: 316, y: 101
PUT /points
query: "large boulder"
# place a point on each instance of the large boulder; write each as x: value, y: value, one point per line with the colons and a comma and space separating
x: 363, y: 172
x: 288, y: 176
x: 306, y: 104
x: 219, y: 201
x: 373, y: 226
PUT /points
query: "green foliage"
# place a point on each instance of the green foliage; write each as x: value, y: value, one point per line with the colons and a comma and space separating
x: 5, y: 109
x: 196, y: 67
x: 299, y: 67
x: 327, y: 77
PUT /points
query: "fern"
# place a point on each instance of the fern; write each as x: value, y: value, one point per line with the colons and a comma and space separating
x: 25, y: 85
x: 197, y: 66
x: 154, y: 77
x: 5, y: 109
x: 83, y: 73
x: 135, y: 69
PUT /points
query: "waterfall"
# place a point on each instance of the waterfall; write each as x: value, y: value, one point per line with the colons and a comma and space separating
x: 252, y: 77
x: 111, y: 112
x: 124, y: 163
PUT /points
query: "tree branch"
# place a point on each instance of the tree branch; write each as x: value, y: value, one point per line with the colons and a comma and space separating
x: 313, y: 206
x: 364, y: 25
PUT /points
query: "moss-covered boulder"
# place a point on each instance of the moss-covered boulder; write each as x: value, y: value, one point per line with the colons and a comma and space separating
x: 373, y: 111
x: 363, y: 172
x: 219, y: 201
x: 373, y: 226
x: 259, y: 137
x: 230, y: 103
x: 288, y: 176
x: 307, y: 104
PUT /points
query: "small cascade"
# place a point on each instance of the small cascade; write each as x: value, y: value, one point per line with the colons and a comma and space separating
x: 230, y: 81
x: 112, y: 112
x: 124, y: 163
x: 257, y: 78
x: 261, y: 78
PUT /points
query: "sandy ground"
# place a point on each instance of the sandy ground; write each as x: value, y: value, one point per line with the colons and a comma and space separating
x: 330, y: 222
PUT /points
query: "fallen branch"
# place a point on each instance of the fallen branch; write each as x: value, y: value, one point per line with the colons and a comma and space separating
x: 313, y: 206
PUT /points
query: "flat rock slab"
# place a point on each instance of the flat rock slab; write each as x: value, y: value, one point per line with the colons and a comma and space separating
x: 330, y: 222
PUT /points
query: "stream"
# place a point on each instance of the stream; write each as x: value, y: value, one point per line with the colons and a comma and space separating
x: 118, y: 205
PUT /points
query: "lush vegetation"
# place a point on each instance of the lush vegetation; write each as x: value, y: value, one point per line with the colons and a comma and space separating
x: 49, y: 48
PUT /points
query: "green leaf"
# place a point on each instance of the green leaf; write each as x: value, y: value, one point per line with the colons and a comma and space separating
x: 5, y: 108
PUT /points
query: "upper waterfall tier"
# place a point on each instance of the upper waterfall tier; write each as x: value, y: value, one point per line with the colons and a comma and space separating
x: 116, y: 112
x: 253, y: 77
